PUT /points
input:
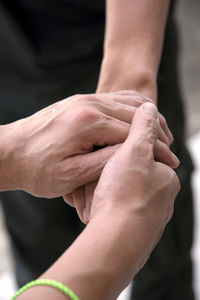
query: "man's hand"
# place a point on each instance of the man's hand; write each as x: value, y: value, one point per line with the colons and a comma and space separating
x: 82, y: 197
x: 51, y: 152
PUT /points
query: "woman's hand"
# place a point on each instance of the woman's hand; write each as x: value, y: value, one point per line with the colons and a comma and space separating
x: 131, y: 170
x: 137, y: 188
x: 132, y: 203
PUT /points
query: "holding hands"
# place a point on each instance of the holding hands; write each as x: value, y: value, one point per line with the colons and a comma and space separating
x: 131, y: 204
x: 50, y: 153
x: 109, y: 155
x: 82, y: 197
x: 134, y: 183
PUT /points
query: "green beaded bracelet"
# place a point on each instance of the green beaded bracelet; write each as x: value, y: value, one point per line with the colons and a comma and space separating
x: 48, y: 282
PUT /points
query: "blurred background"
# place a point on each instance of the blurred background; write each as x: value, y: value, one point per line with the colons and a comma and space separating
x: 188, y: 15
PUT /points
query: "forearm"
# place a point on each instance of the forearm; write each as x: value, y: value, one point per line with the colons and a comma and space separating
x: 10, y: 149
x: 121, y: 234
x: 133, y: 44
x: 93, y: 267
x: 100, y: 263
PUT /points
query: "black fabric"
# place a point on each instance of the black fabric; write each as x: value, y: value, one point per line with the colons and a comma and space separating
x: 53, y: 49
x: 168, y: 272
x: 49, y: 50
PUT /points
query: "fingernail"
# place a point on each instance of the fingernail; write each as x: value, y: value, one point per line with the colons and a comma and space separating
x: 151, y: 109
x: 85, y: 217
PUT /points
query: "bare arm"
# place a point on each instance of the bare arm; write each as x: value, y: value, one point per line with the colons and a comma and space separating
x: 133, y: 45
x: 121, y: 234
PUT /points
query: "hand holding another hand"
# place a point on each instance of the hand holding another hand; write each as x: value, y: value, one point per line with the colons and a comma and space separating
x: 131, y: 205
x: 50, y: 153
x: 135, y: 188
x: 82, y: 198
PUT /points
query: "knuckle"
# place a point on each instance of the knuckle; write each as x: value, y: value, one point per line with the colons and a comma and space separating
x: 85, y: 96
x: 149, y: 121
x: 141, y: 149
x: 152, y: 129
x: 86, y: 115
x: 85, y: 99
x: 140, y: 146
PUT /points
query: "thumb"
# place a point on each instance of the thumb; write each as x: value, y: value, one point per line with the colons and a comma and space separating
x: 144, y: 130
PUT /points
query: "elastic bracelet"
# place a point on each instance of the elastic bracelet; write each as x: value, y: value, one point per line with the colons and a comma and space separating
x: 48, y: 282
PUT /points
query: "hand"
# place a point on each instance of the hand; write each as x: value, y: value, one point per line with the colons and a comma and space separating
x: 136, y: 186
x: 132, y: 203
x: 51, y: 152
x: 82, y: 198
x: 134, y: 182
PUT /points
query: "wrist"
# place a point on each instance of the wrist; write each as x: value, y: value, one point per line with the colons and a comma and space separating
x: 10, y: 156
x: 129, y: 221
x: 127, y: 74
x: 108, y: 256
x: 124, y: 222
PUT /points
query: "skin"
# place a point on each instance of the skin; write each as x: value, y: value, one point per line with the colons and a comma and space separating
x: 51, y: 152
x: 127, y: 202
x: 134, y: 32
x: 132, y: 50
x: 35, y: 159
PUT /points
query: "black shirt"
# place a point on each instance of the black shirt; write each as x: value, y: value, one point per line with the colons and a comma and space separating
x: 49, y: 50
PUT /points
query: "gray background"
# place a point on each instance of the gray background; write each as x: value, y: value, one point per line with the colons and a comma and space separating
x: 188, y: 14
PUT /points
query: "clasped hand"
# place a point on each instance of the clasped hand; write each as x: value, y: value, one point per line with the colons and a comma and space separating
x: 54, y: 153
x: 51, y: 152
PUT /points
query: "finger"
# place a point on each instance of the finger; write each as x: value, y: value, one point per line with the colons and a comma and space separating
x: 125, y: 112
x: 166, y: 129
x: 80, y: 205
x: 133, y: 98
x: 125, y: 92
x: 173, y: 191
x: 144, y: 131
x: 130, y: 101
x: 117, y: 106
x: 122, y: 108
x: 88, y: 167
x: 109, y: 131
x: 130, y: 97
x: 89, y: 193
x: 122, y: 93
x: 163, y: 154
x: 69, y: 199
x: 162, y: 136
x: 120, y: 111
x: 125, y: 106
